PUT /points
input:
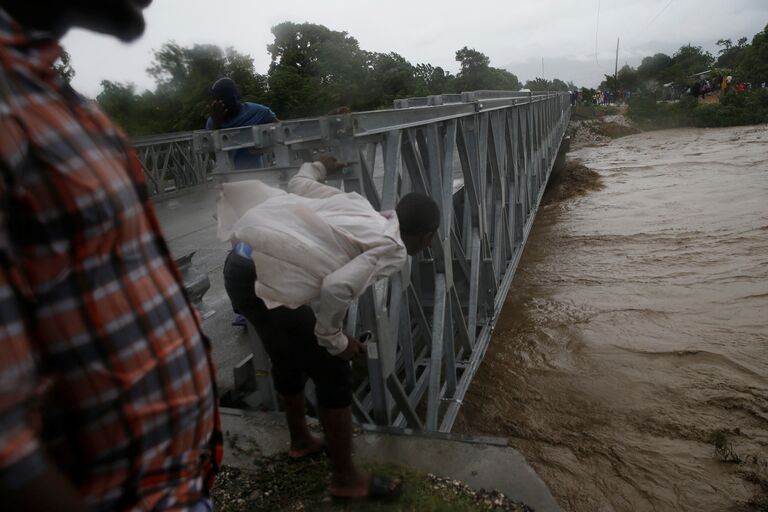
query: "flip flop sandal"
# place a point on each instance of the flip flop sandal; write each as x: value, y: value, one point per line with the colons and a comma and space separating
x: 379, y: 489
x: 310, y: 455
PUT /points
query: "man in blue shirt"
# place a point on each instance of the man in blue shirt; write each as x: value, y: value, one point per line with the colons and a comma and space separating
x: 228, y: 112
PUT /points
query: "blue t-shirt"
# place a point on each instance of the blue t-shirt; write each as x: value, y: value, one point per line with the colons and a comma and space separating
x: 250, y: 114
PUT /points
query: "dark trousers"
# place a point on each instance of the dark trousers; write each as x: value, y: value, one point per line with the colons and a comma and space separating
x: 289, y: 338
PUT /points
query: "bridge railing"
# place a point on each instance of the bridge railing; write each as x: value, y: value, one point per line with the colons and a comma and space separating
x: 170, y: 162
x: 485, y: 157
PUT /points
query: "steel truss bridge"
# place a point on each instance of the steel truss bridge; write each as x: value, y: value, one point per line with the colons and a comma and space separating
x: 485, y: 157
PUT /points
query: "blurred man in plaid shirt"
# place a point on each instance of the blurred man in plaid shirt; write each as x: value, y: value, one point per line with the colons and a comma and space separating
x: 107, y: 397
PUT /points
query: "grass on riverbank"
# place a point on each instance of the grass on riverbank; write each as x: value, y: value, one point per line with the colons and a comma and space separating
x: 588, y: 112
x: 732, y: 110
x: 278, y: 483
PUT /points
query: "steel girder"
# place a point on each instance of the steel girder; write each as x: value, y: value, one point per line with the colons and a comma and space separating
x: 170, y: 162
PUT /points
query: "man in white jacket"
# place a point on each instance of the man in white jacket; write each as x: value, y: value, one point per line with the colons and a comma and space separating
x: 316, y: 246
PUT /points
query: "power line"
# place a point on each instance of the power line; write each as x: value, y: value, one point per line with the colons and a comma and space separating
x: 597, y: 28
x: 653, y: 20
x: 660, y: 13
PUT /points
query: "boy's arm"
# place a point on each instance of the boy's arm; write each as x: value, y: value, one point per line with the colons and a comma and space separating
x: 346, y: 284
x: 308, y: 181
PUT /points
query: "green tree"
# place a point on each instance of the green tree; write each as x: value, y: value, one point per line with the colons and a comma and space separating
x: 472, y: 61
x: 138, y: 114
x: 435, y: 79
x: 753, y: 64
x: 313, y: 70
x: 654, y: 71
x: 324, y: 68
x: 184, y: 76
x: 538, y: 84
x: 477, y: 74
x: 559, y: 85
x: 587, y: 94
x: 504, y: 80
x: 542, y: 84
x: 689, y: 60
x: 393, y: 77
x: 121, y: 102
x: 729, y: 54
x: 118, y: 99
x: 626, y: 79
x: 63, y: 66
x: 239, y: 67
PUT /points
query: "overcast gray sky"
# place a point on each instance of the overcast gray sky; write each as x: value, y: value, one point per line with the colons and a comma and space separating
x: 516, y: 35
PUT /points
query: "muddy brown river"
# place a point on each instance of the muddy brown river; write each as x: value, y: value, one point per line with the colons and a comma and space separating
x: 637, y: 326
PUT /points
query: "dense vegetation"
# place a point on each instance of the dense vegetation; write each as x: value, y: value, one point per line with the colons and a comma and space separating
x: 732, y: 110
x: 746, y: 62
x: 314, y: 69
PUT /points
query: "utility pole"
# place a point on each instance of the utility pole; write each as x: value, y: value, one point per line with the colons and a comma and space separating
x: 616, y: 69
x: 542, y: 68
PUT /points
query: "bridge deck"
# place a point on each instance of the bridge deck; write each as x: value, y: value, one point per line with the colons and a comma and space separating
x: 188, y: 225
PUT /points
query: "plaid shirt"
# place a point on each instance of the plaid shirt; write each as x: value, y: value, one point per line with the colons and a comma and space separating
x: 104, y: 369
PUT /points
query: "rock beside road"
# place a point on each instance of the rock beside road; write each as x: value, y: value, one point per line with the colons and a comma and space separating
x: 596, y: 127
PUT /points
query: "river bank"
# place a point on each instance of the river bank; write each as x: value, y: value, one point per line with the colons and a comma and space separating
x: 593, y: 125
x: 441, y: 472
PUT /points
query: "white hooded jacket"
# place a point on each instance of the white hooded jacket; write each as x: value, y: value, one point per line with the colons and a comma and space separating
x: 314, y: 244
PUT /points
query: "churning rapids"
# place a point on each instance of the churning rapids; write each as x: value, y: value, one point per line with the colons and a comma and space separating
x: 637, y: 326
